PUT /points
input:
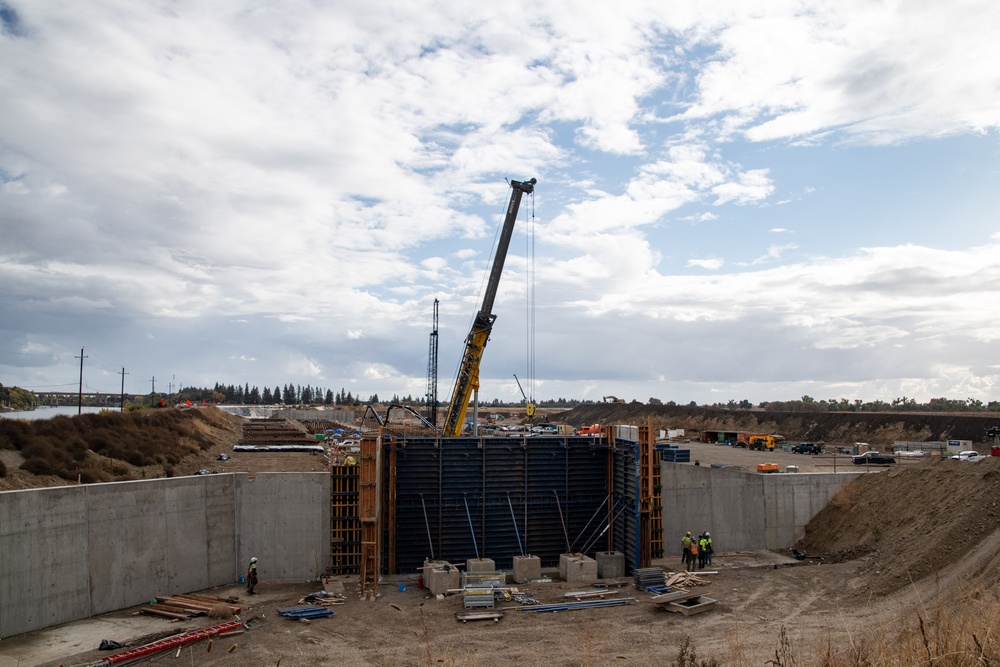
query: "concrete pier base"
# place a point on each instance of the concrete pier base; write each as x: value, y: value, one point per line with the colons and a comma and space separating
x: 581, y: 570
x: 440, y: 577
x: 610, y: 564
x: 563, y: 560
x: 479, y: 565
x: 526, y: 568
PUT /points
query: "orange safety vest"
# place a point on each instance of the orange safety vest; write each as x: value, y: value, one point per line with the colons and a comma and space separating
x: 694, y: 548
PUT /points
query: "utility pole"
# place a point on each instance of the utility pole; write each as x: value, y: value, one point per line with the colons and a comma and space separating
x: 152, y: 392
x: 123, y: 374
x: 79, y: 401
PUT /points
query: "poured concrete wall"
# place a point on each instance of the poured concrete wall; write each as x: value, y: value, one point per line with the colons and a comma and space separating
x: 743, y: 511
x: 71, y: 552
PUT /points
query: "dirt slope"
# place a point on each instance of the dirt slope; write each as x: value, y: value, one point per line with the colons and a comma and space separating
x: 940, y: 517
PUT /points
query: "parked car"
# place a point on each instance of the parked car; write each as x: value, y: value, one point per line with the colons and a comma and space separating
x: 969, y: 455
x: 807, y: 448
x: 873, y: 458
x: 905, y: 454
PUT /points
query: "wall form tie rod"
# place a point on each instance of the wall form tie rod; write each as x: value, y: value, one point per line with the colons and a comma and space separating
x: 562, y: 520
x: 472, y: 528
x: 514, y: 519
x: 611, y: 523
x: 430, y: 540
x: 588, y: 523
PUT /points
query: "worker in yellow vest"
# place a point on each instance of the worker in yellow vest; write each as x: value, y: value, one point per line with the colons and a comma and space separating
x: 252, y: 576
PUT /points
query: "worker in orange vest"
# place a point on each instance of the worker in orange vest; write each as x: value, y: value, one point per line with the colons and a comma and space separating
x: 693, y: 556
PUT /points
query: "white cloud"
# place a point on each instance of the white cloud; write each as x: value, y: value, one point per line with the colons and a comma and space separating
x: 321, y: 173
x: 712, y: 263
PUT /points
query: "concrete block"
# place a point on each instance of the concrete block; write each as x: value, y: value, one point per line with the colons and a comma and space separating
x: 610, y: 564
x: 440, y: 580
x: 526, y: 568
x: 474, y: 565
x: 563, y: 559
x: 582, y: 570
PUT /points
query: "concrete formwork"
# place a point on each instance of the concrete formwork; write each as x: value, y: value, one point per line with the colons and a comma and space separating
x: 744, y: 511
x: 71, y: 552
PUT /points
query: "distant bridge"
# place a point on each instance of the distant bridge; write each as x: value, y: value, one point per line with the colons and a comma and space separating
x: 56, y: 398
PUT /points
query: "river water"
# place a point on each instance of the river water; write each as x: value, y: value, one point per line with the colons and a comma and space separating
x: 46, y: 412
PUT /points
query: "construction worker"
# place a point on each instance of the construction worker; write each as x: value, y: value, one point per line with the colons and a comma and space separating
x: 252, y: 576
x: 702, y: 550
x: 693, y: 556
x: 350, y: 461
x: 708, y: 548
x: 685, y: 548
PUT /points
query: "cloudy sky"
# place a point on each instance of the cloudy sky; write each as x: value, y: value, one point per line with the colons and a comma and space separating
x: 735, y: 200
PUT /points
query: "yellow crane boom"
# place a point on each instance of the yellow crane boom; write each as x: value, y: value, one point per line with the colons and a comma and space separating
x: 468, y: 372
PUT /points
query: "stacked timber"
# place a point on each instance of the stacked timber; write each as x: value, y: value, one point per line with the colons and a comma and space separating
x: 182, y: 607
x: 686, y: 579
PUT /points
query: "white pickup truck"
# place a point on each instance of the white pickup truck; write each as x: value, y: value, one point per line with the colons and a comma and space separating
x: 970, y: 455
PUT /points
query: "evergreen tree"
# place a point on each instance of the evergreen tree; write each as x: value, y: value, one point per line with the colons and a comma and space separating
x: 329, y: 397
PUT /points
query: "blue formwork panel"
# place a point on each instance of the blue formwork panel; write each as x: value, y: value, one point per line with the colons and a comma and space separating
x: 497, y: 497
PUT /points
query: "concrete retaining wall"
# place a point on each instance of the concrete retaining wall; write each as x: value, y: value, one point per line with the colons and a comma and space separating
x: 743, y: 511
x: 71, y: 552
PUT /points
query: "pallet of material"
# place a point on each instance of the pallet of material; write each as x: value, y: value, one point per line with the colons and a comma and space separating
x: 466, y: 616
x: 306, y: 612
x: 585, y: 595
x: 691, y: 606
x: 674, y: 596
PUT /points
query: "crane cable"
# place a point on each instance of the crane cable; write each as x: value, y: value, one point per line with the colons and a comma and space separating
x: 530, y: 305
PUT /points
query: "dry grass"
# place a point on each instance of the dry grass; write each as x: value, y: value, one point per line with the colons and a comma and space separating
x: 111, y: 446
x: 964, y: 631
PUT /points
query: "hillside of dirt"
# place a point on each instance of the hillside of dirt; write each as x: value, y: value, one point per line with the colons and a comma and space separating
x: 940, y: 517
x: 880, y: 429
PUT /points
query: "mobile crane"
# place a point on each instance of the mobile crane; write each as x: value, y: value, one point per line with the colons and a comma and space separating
x: 468, y: 372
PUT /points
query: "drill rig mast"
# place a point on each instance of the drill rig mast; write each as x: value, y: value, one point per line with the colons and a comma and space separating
x: 468, y: 373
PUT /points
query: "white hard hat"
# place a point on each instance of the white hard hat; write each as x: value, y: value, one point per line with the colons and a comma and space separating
x: 253, y: 560
x: 708, y: 534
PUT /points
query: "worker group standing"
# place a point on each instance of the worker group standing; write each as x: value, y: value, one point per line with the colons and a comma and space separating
x: 705, y: 549
x: 696, y: 552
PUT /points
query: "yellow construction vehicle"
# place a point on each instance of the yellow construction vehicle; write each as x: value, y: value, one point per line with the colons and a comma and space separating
x: 467, y: 381
x: 759, y: 441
